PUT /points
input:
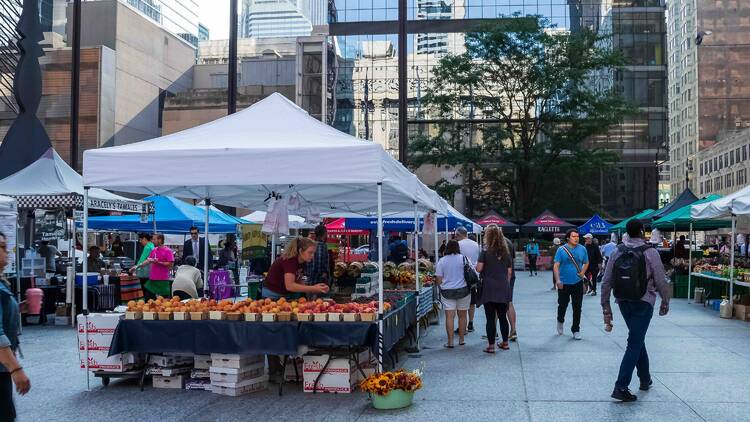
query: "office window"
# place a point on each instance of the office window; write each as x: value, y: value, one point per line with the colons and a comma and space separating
x: 737, y: 154
x: 731, y: 158
x: 702, y: 169
x: 744, y: 152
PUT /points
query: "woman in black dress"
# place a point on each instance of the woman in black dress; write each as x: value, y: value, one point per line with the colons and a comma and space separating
x: 496, y: 267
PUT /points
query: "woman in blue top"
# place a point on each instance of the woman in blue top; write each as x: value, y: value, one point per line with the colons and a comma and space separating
x: 532, y: 251
x: 11, y: 372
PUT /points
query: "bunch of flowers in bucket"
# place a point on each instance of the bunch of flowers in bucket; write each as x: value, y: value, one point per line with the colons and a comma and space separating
x: 384, y: 383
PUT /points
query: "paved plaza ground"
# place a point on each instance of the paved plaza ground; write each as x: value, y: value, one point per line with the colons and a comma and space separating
x: 700, y: 365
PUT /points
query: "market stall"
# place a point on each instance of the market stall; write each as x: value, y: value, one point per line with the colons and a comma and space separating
x: 546, y: 223
x: 596, y: 226
x: 736, y: 207
x: 49, y: 184
x: 270, y: 146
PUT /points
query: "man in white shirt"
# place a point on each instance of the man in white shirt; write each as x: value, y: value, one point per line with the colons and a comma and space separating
x: 469, y: 249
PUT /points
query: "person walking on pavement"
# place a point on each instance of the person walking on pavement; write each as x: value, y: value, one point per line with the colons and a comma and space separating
x: 552, y: 252
x: 454, y: 292
x: 495, y: 266
x: 635, y: 275
x: 532, y: 252
x: 571, y: 262
x: 469, y: 249
x: 595, y: 261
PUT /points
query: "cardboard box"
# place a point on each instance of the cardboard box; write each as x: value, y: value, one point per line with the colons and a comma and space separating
x: 176, y: 382
x: 97, y: 342
x: 168, y: 372
x: 100, y: 323
x: 150, y: 316
x: 232, y: 375
x: 217, y: 315
x: 246, y: 387
x: 219, y: 360
x: 168, y: 361
x: 198, y: 384
x: 742, y: 312
x: 341, y: 375
x: 289, y: 371
x: 202, y: 361
x: 202, y: 374
x: 99, y: 361
x: 61, y: 310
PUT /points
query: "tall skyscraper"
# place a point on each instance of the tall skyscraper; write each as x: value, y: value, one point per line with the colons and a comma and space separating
x: 179, y: 17
x: 281, y: 18
x: 709, y: 98
x: 440, y: 43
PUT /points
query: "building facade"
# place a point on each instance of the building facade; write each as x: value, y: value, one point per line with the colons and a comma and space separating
x: 709, y: 86
x: 280, y: 18
x: 637, y: 30
x: 723, y: 167
x: 179, y: 17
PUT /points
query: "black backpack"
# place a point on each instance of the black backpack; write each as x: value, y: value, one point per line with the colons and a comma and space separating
x: 400, y: 253
x: 629, y: 273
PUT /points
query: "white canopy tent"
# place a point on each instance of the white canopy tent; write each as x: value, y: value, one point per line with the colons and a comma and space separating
x: 271, y: 148
x: 735, y: 206
x: 295, y: 221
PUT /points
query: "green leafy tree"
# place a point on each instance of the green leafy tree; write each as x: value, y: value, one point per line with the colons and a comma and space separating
x: 513, y: 112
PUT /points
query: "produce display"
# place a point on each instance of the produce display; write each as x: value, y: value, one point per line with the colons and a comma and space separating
x: 253, y: 310
x: 386, y: 382
x: 719, y: 266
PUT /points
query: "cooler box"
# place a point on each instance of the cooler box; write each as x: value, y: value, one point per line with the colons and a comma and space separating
x: 92, y: 279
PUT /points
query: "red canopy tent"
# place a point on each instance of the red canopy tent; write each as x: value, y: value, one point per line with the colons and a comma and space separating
x: 337, y: 227
x: 494, y: 218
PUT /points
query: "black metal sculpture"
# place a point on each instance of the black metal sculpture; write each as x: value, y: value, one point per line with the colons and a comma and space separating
x: 27, y: 139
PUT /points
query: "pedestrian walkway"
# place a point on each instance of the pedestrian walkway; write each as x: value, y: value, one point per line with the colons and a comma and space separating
x: 700, y: 365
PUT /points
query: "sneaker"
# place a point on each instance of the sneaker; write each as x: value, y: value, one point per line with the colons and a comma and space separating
x: 593, y: 293
x: 646, y: 386
x: 623, y: 394
x: 470, y: 328
x: 577, y: 336
x: 560, y: 328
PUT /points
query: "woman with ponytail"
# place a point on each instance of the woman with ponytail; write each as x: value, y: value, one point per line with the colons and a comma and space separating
x: 285, y: 275
x: 496, y: 269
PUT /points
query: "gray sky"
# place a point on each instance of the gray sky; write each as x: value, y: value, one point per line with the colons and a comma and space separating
x: 215, y: 15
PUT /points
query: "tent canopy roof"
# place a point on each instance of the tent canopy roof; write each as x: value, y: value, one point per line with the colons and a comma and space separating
x: 687, y: 197
x: 404, y: 221
x: 238, y: 160
x: 681, y: 219
x: 546, y: 222
x: 596, y: 225
x: 295, y: 221
x: 50, y: 182
x: 737, y: 203
x: 172, y: 216
x: 622, y: 224
x: 494, y: 218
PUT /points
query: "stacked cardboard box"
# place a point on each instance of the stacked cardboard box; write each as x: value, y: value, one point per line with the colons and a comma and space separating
x: 341, y: 374
x: 101, y: 330
x: 169, y: 370
x: 200, y: 377
x: 236, y: 375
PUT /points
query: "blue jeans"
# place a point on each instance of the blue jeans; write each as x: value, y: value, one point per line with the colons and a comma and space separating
x: 637, y: 317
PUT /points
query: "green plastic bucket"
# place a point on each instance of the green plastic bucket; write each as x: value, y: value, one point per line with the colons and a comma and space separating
x: 396, y: 399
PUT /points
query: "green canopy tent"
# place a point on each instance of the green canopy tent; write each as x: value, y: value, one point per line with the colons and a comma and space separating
x: 682, y: 220
x: 619, y: 228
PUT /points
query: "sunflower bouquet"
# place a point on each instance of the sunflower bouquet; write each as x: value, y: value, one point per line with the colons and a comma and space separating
x: 384, y: 383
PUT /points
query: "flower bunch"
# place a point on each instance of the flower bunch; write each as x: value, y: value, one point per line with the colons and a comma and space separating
x: 386, y: 382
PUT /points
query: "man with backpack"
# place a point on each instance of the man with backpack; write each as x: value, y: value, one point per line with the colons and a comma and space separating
x: 634, y: 274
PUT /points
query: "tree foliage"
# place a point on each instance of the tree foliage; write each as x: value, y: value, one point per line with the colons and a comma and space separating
x: 514, y: 111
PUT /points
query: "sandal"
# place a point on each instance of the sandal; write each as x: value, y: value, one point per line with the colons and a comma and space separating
x: 448, y: 346
x: 503, y: 345
x: 513, y: 337
x: 462, y: 344
x: 489, y: 349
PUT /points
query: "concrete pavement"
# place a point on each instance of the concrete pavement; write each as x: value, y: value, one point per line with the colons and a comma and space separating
x: 700, y: 365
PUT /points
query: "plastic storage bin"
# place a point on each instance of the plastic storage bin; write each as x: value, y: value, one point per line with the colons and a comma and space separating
x: 91, y: 278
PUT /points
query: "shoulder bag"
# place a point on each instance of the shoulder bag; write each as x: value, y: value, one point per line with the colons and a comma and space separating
x: 470, y: 275
x: 573, y: 260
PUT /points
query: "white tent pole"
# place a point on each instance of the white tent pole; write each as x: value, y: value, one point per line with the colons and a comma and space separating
x: 380, y: 277
x: 437, y: 250
x: 416, y: 259
x: 273, y: 247
x: 690, y: 259
x: 71, y: 284
x: 446, y: 228
x: 18, y: 259
x: 731, y: 263
x: 85, y: 282
x: 207, y: 201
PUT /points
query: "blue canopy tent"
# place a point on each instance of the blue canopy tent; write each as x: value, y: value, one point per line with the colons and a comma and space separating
x: 172, y: 217
x: 596, y: 226
x: 403, y: 222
